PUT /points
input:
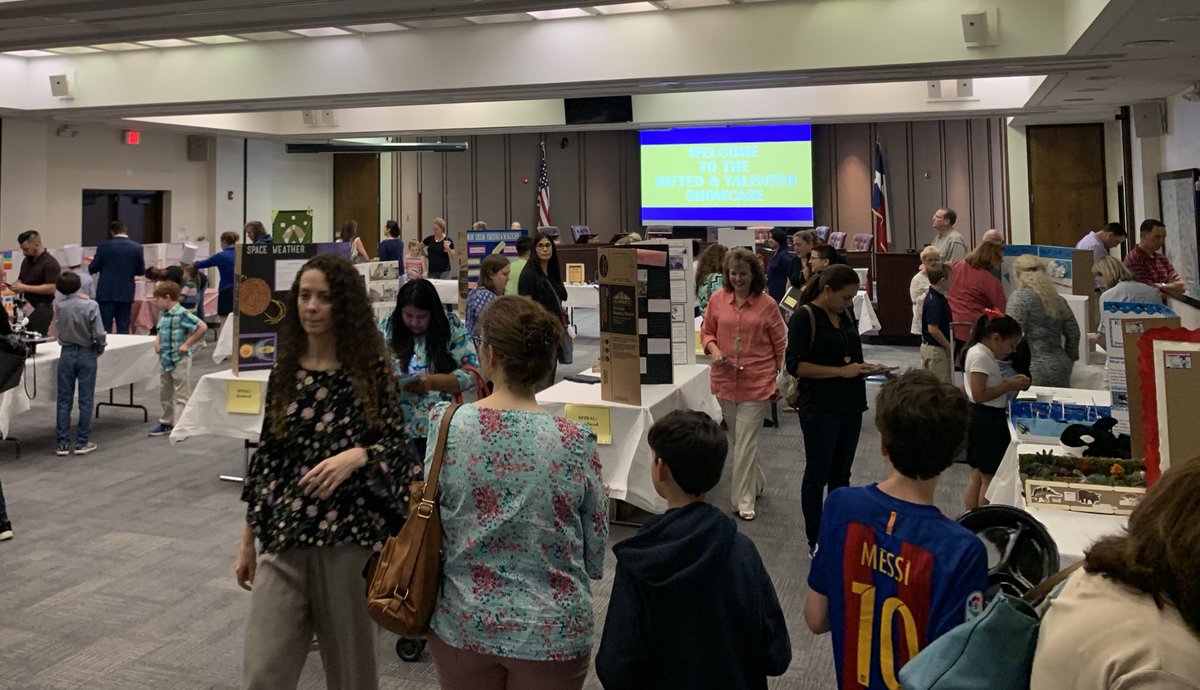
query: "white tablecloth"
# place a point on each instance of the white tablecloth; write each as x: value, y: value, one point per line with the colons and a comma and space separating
x: 205, y: 412
x: 626, y: 461
x: 1073, y: 532
x: 583, y: 297
x: 127, y: 359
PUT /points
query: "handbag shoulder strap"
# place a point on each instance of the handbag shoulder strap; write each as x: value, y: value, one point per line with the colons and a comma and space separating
x: 435, y: 468
x: 812, y: 324
x: 1047, y: 586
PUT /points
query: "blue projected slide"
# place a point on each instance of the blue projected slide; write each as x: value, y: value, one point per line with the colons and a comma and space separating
x: 751, y: 175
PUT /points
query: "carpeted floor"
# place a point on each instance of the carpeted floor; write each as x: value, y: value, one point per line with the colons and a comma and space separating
x: 120, y: 573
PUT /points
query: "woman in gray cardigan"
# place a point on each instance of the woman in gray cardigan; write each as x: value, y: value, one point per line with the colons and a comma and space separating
x: 1046, y: 319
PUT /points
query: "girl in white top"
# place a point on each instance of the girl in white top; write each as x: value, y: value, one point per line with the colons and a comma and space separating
x: 919, y: 285
x: 995, y: 337
x: 1130, y: 620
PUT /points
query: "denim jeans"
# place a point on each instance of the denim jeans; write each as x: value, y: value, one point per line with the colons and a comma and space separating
x: 830, y: 440
x: 120, y: 311
x: 76, y: 364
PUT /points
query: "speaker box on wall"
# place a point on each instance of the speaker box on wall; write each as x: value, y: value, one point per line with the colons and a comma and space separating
x: 1149, y: 119
x: 63, y: 85
x: 598, y: 111
x: 198, y: 149
x: 975, y: 26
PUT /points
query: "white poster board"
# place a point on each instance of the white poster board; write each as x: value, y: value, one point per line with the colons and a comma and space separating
x: 683, y: 298
x: 1112, y: 314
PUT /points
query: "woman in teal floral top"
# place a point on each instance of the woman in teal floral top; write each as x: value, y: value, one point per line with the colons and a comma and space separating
x: 327, y: 486
x: 427, y: 343
x: 525, y: 517
x: 709, y: 274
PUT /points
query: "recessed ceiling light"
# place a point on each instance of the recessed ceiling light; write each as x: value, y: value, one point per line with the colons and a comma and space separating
x: 500, y: 18
x: 167, y: 43
x: 1150, y: 43
x: 216, y: 40
x: 119, y: 46
x: 1180, y: 18
x: 687, y: 4
x: 269, y: 36
x: 565, y: 13
x: 320, y: 32
x: 29, y: 53
x: 626, y: 8
x: 74, y: 50
x: 375, y: 28
x: 437, y: 23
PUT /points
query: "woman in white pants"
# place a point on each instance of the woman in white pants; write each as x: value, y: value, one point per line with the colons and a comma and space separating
x: 744, y: 336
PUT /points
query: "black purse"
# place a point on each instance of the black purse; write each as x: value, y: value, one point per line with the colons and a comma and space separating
x: 13, y: 353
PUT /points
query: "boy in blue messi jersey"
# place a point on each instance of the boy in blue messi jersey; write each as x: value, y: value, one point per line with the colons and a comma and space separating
x: 891, y: 573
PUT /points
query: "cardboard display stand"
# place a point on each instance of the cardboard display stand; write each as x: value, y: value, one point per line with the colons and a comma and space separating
x: 654, y: 314
x: 265, y: 273
x: 620, y: 360
x: 1132, y: 330
x: 1169, y: 361
x: 682, y: 275
x: 382, y: 279
x: 1118, y: 319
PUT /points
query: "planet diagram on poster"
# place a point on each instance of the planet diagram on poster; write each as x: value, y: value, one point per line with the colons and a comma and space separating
x: 292, y: 227
x: 254, y: 298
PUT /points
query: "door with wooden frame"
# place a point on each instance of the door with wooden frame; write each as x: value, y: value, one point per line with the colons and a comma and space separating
x: 356, y: 196
x: 1067, y: 197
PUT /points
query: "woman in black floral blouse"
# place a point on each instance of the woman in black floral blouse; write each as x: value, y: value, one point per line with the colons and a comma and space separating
x: 327, y: 486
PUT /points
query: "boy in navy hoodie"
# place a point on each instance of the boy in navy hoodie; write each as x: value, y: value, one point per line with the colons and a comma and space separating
x: 692, y: 605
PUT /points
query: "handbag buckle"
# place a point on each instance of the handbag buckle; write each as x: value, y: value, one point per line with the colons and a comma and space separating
x: 396, y: 593
x: 425, y: 508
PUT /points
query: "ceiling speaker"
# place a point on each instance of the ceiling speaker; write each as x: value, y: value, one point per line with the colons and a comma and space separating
x: 975, y: 27
x: 1149, y: 119
x: 933, y: 89
x: 964, y: 88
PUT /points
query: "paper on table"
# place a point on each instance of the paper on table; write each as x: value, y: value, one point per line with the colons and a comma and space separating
x: 243, y: 397
x: 597, y: 417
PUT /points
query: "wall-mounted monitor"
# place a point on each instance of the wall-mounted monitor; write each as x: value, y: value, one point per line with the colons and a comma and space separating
x: 736, y: 175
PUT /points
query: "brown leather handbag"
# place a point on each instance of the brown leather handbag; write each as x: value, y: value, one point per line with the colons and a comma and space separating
x: 407, y: 575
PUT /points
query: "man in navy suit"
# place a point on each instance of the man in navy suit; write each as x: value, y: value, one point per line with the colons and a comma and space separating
x: 118, y: 261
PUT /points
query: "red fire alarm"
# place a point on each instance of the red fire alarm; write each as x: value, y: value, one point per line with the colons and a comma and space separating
x: 133, y: 137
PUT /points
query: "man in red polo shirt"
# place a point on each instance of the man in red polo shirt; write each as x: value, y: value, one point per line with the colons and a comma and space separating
x: 1149, y: 265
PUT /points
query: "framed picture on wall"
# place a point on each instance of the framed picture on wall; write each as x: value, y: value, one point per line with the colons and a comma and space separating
x: 1179, y: 201
x: 292, y: 227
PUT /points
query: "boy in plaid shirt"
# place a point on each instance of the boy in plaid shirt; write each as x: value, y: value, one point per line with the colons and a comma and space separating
x: 178, y: 331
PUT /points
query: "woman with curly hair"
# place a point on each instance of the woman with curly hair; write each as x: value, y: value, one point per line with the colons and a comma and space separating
x: 1130, y: 618
x: 1046, y: 319
x: 710, y: 275
x: 429, y: 347
x: 327, y: 486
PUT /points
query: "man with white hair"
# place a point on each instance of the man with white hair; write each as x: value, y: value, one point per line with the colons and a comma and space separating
x: 993, y: 235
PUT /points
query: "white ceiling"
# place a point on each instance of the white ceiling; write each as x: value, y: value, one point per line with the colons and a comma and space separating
x: 1089, y: 73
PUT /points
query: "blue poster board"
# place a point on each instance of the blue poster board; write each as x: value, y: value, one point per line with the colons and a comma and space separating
x: 481, y: 243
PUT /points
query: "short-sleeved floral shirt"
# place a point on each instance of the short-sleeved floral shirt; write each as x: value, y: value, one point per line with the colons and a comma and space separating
x: 415, y: 408
x: 325, y: 419
x: 525, y: 517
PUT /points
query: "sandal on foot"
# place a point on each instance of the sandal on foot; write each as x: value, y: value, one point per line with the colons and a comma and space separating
x: 746, y: 515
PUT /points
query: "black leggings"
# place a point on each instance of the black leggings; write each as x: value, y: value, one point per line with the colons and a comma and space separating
x: 830, y: 439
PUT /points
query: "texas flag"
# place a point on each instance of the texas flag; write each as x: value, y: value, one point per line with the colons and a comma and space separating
x: 879, y: 203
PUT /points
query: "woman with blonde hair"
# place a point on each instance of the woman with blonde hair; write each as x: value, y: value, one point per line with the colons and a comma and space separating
x: 918, y: 287
x: 1119, y: 285
x: 709, y: 274
x: 1047, y: 321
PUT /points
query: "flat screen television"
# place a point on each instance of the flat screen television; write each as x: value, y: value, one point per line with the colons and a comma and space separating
x: 722, y: 176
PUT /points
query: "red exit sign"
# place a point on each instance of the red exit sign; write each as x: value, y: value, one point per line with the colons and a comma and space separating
x: 133, y: 137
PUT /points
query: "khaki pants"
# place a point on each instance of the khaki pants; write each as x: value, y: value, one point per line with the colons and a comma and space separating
x: 174, y: 387
x: 745, y: 422
x: 936, y: 360
x: 302, y: 591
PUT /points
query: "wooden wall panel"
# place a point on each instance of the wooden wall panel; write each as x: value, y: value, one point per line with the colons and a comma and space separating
x: 433, y: 189
x: 824, y: 177
x: 522, y: 164
x: 893, y: 141
x: 491, y: 181
x: 998, y: 144
x: 631, y: 188
x: 855, y: 156
x: 460, y: 207
x: 602, y: 182
x: 928, y: 193
x: 566, y: 207
x: 981, y: 189
x: 956, y: 155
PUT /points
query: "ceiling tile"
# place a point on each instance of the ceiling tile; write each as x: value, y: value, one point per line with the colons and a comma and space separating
x: 74, y: 50
x: 269, y: 36
x: 375, y: 28
x: 120, y: 46
x: 436, y: 23
x: 500, y: 18
x: 29, y: 53
x: 167, y: 43
x: 320, y: 32
x: 565, y: 13
x: 216, y: 40
x: 626, y: 8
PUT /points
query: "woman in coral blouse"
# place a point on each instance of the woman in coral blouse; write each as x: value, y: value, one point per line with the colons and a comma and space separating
x: 744, y: 336
x: 974, y: 288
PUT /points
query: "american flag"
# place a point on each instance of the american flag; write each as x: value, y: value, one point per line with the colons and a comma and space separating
x: 879, y: 203
x: 543, y: 197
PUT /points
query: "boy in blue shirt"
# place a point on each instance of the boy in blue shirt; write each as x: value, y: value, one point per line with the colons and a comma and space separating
x: 692, y: 606
x: 891, y: 573
x: 178, y: 330
x: 935, y: 324
x: 82, y: 338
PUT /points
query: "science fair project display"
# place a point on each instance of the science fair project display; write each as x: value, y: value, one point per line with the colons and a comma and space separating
x: 654, y: 315
x: 683, y: 297
x: 1070, y: 269
x: 265, y: 273
x: 620, y: 360
x: 292, y: 227
x: 1123, y: 323
x: 1169, y: 362
x: 738, y: 175
x: 483, y: 243
x: 382, y: 279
